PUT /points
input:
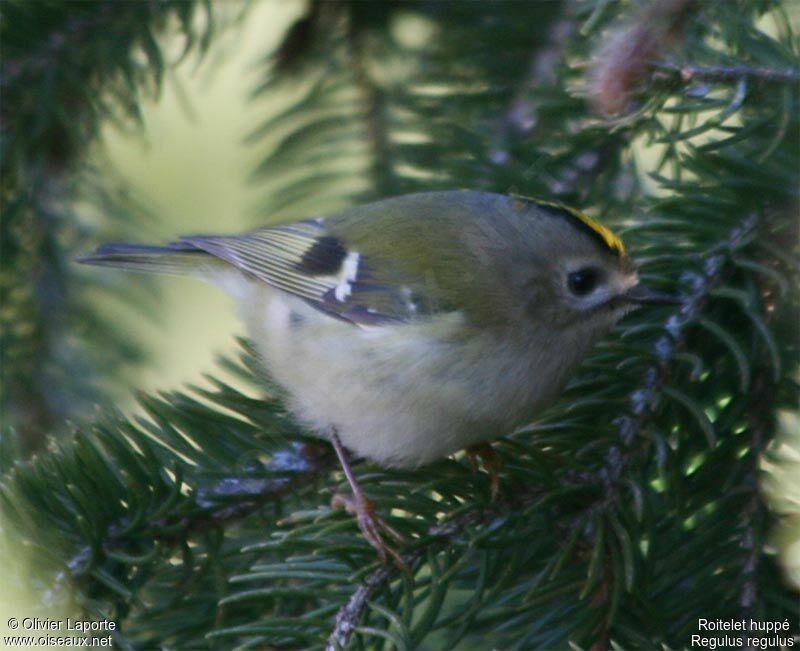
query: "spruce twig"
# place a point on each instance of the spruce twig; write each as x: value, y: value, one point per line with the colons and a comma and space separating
x: 439, y: 535
x: 688, y: 71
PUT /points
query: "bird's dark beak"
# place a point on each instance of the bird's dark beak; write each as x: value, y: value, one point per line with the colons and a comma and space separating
x: 641, y: 295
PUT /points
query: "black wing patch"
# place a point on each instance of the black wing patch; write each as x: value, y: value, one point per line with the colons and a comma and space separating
x: 324, y: 257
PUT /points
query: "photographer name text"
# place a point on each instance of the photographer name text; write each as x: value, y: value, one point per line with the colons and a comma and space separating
x: 66, y: 625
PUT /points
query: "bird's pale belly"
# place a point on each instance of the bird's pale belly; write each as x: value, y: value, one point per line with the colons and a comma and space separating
x: 405, y: 394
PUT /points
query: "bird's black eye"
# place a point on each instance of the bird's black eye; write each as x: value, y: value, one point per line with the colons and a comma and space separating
x: 583, y: 281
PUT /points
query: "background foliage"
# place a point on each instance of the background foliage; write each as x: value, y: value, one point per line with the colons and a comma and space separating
x: 629, y: 510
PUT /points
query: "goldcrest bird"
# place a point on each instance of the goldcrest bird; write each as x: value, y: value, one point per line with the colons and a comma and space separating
x: 407, y: 329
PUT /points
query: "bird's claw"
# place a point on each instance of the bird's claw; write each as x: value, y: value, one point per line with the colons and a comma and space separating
x: 491, y: 462
x: 371, y: 525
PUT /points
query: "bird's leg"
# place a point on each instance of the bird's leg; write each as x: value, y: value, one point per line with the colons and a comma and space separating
x: 491, y: 462
x: 369, y: 522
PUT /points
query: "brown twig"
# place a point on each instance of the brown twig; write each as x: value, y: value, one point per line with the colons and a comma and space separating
x: 688, y: 72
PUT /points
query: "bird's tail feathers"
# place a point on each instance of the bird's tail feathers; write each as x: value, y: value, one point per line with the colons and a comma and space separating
x: 180, y: 258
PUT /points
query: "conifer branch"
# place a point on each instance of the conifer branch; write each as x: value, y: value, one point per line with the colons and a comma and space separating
x: 644, y: 399
x: 439, y: 535
x: 688, y: 72
x: 644, y: 406
x: 65, y: 69
x: 269, y: 491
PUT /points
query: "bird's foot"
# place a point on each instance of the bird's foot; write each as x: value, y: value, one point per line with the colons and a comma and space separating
x: 369, y: 522
x: 490, y: 460
x: 371, y: 526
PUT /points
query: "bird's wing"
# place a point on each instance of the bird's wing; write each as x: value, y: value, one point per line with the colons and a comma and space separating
x: 307, y: 260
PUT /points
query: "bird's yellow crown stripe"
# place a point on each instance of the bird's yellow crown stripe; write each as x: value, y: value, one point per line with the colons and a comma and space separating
x: 611, y: 239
